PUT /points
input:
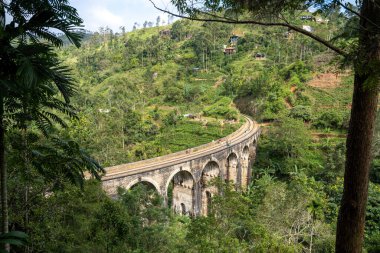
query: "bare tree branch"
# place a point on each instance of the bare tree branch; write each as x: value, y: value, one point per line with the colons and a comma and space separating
x: 356, y: 13
x: 253, y: 22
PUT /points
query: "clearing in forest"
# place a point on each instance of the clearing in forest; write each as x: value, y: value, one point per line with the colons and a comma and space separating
x: 325, y: 81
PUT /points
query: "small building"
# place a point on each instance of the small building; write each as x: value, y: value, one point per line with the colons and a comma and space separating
x: 307, y: 18
x: 104, y: 110
x: 229, y: 50
x: 260, y: 56
x: 189, y: 115
x: 307, y: 28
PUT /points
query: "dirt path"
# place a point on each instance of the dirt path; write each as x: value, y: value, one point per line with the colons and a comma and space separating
x: 200, y: 79
x: 287, y: 103
x: 318, y: 135
x: 218, y: 83
x: 265, y: 124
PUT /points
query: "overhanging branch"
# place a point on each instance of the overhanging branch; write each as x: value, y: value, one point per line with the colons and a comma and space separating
x: 253, y: 22
x: 357, y: 13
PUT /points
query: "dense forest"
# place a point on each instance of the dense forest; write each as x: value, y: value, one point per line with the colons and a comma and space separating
x: 158, y: 90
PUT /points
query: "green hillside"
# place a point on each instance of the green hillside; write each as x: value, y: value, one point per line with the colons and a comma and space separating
x: 137, y: 88
x: 159, y: 78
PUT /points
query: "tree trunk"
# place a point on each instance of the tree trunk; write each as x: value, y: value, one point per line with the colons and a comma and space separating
x: 3, y: 174
x: 351, y: 220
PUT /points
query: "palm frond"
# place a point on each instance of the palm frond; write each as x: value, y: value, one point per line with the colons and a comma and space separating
x: 59, y: 156
x: 43, y: 123
x: 55, y: 118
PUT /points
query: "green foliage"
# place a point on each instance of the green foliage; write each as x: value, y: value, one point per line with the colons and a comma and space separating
x: 221, y: 108
x: 136, y: 130
x: 151, y: 75
x: 301, y: 112
x: 258, y: 87
x: 268, y: 92
x: 181, y: 136
x: 335, y: 155
x: 171, y: 119
x: 32, y: 75
x: 232, y: 227
x: 14, y: 238
x: 191, y: 93
x: 104, y: 225
x: 375, y: 170
x: 58, y: 157
x: 35, y: 93
x: 296, y: 73
x: 373, y: 211
x: 288, y: 149
x: 301, y: 202
x: 330, y: 119
x: 303, y: 99
x: 174, y: 94
x: 372, y: 243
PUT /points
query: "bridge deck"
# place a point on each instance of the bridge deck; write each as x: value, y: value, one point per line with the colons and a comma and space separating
x: 248, y: 129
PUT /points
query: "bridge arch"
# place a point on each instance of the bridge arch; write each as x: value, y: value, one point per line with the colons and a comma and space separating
x: 232, y: 168
x: 175, y: 172
x: 211, y: 169
x: 144, y: 180
x: 180, y: 185
x: 212, y: 159
x: 254, y: 143
x: 210, y: 172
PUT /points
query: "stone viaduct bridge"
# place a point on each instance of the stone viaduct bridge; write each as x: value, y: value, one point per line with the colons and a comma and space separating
x: 188, y: 172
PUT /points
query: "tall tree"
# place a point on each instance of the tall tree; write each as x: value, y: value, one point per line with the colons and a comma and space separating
x: 366, y: 59
x: 31, y: 76
x: 122, y: 29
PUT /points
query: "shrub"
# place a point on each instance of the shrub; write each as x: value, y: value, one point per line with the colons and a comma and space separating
x: 171, y: 119
x: 191, y: 93
x: 299, y: 69
x: 174, y: 94
x: 301, y: 112
x: 221, y: 108
x: 329, y: 119
x: 232, y: 115
x: 303, y: 99
x: 372, y: 243
x: 294, y: 80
